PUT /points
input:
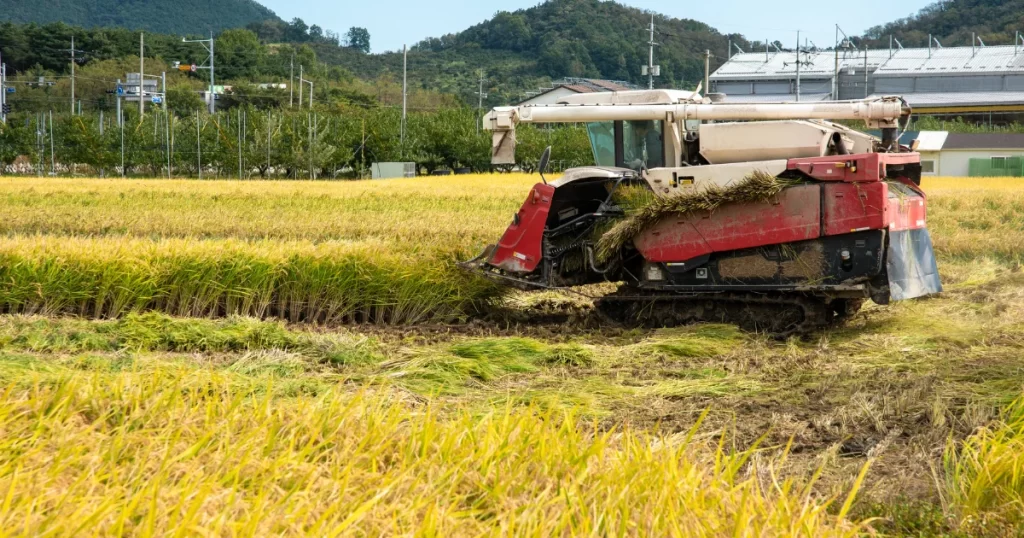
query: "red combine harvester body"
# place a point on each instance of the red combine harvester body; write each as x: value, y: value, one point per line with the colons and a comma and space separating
x: 848, y: 226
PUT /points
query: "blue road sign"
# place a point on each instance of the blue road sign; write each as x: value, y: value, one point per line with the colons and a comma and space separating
x: 120, y: 90
x: 11, y: 90
x: 157, y: 99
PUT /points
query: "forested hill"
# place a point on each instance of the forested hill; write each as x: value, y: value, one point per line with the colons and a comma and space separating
x: 593, y: 38
x: 953, y: 21
x: 169, y: 16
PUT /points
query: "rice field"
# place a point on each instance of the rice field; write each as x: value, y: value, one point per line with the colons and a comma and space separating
x: 303, y: 358
x: 326, y: 252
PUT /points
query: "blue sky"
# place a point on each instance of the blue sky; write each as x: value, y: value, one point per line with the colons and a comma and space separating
x: 394, y: 22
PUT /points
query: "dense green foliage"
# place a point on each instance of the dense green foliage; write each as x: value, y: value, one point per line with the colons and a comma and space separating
x: 593, y: 38
x: 527, y: 49
x: 34, y: 52
x: 42, y: 50
x: 177, y: 16
x: 953, y: 21
x: 513, y: 52
x: 247, y: 142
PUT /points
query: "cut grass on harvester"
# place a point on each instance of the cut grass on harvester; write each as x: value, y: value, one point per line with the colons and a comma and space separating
x: 759, y: 186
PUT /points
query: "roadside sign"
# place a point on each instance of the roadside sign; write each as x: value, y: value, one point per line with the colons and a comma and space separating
x: 120, y: 90
x: 157, y: 99
x: 12, y: 90
x: 194, y: 68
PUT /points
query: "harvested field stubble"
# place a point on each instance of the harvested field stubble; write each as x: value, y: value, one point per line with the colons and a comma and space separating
x: 200, y: 453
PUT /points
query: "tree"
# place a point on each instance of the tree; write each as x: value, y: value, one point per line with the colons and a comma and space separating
x: 184, y: 101
x: 238, y: 54
x: 15, y: 140
x: 359, y: 39
x: 509, y: 31
x: 297, y: 31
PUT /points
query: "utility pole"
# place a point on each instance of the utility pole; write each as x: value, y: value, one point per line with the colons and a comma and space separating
x: 651, y: 70
x: 167, y: 122
x: 302, y: 80
x: 213, y: 94
x: 865, y: 71
x: 118, y: 102
x: 199, y: 147
x: 798, y: 62
x: 142, y: 76
x: 73, y: 51
x: 480, y: 93
x: 405, y: 95
x: 707, y: 72
x: 120, y: 122
x: 291, y: 82
x: 53, y: 160
x: 3, y: 90
x: 208, y: 45
x: 835, y: 77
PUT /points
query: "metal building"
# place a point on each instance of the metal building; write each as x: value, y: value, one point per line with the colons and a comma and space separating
x: 975, y: 82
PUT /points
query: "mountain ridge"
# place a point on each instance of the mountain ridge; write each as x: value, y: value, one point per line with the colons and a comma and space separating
x: 165, y: 16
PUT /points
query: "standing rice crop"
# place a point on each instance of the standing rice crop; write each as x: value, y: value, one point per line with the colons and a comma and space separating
x: 336, y: 282
x: 985, y: 476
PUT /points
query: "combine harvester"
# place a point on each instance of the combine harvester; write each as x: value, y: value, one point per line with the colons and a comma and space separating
x: 764, y: 215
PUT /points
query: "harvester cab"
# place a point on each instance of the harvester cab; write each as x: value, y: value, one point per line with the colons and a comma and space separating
x: 766, y: 215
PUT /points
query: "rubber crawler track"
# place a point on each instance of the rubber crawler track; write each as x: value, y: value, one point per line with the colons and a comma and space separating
x: 778, y: 314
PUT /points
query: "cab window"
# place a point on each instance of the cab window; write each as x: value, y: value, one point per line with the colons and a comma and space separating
x: 602, y: 142
x: 642, y: 144
x: 628, y: 144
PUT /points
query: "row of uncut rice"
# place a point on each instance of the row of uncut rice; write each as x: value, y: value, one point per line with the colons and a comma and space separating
x: 972, y: 218
x: 459, y: 211
x: 333, y: 282
x: 332, y: 252
x: 969, y: 217
x: 168, y: 452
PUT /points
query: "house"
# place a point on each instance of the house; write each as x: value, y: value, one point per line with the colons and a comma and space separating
x: 971, y: 154
x: 574, y: 86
